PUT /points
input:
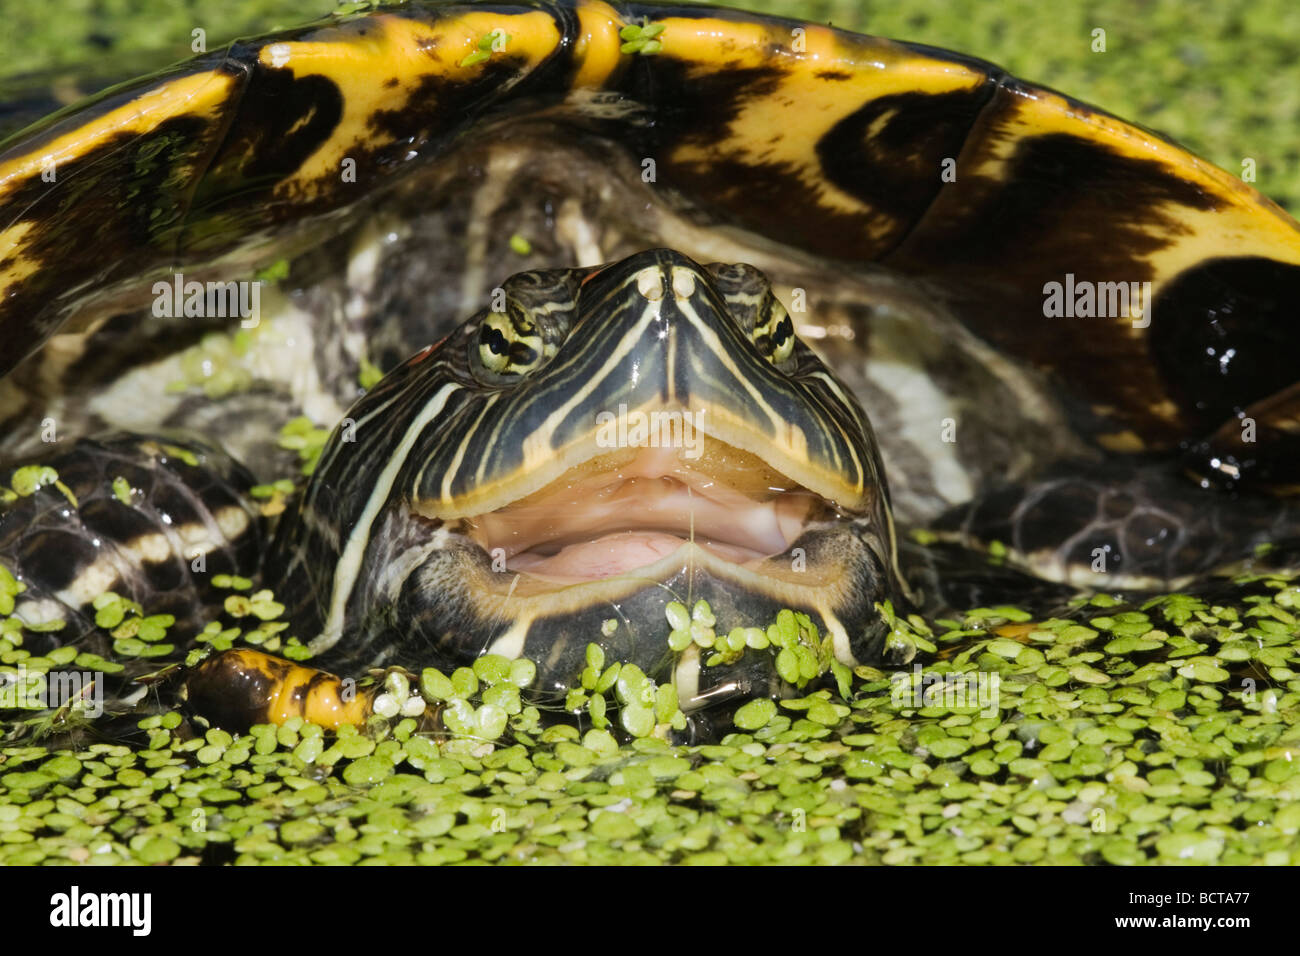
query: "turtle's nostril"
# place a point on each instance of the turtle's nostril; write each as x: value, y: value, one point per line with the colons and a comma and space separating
x: 683, y: 283
x: 650, y: 283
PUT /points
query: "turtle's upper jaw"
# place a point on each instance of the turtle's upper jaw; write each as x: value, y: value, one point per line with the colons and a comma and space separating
x: 630, y: 508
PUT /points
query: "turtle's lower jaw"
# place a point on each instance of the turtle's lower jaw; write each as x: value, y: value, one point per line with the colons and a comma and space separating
x: 599, y: 552
x: 836, y: 571
x: 623, y: 511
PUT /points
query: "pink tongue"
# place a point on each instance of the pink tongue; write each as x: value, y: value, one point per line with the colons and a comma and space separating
x: 605, y: 556
x: 615, y: 553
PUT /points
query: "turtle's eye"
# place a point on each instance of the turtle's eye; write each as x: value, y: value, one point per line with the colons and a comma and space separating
x: 774, y: 332
x: 509, y: 345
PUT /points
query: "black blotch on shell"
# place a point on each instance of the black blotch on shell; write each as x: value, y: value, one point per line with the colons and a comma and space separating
x: 1224, y: 334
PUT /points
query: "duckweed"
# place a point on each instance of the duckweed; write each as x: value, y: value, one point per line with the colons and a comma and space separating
x: 1119, y: 734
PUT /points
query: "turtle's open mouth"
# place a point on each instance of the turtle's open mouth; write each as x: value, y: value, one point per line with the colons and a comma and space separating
x: 626, y: 509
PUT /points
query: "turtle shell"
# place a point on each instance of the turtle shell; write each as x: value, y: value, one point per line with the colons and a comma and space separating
x: 927, y: 163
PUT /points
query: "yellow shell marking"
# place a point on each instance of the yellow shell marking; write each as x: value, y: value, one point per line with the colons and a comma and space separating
x: 406, y: 50
x: 200, y: 94
x: 779, y: 128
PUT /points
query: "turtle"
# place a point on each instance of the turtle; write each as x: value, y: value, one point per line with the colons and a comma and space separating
x: 855, y: 285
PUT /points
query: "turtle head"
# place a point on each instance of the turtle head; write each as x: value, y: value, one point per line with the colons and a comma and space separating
x: 596, y: 444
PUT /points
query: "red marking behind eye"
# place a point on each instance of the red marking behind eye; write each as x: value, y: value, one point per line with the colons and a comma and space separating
x: 424, y: 353
x: 591, y: 275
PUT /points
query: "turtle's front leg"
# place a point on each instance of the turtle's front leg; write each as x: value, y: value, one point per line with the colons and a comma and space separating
x: 151, y: 519
x: 1119, y: 525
